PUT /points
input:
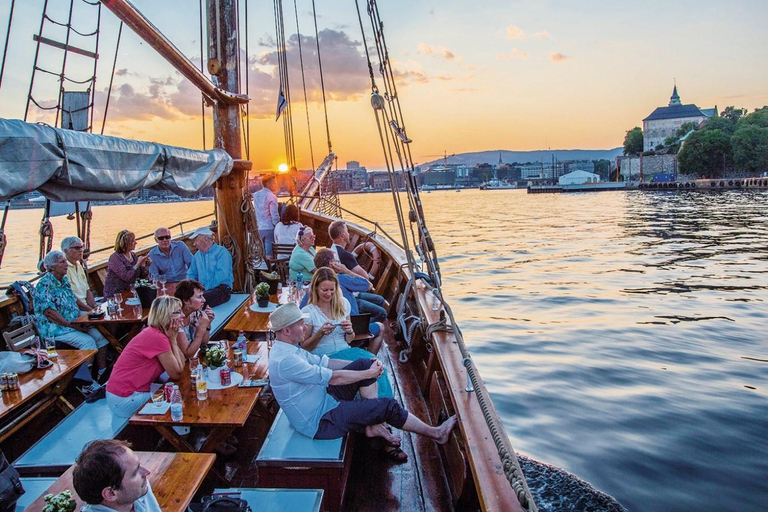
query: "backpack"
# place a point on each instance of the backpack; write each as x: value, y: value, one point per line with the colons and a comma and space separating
x: 224, y: 504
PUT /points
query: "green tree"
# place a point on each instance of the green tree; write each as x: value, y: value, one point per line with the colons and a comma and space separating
x: 720, y: 124
x: 603, y: 169
x: 758, y: 118
x: 732, y: 114
x: 750, y: 148
x: 706, y: 153
x: 633, y: 141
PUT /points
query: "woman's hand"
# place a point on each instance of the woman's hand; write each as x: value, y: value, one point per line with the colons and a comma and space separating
x: 209, y: 313
x: 142, y: 261
x: 327, y: 328
x: 346, y: 326
x: 177, y: 322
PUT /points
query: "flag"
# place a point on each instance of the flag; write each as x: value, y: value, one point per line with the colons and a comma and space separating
x: 281, y: 103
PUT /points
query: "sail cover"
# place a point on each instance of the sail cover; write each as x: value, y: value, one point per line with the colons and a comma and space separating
x: 66, y: 165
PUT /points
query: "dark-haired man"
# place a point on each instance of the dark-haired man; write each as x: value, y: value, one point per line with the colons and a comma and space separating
x: 265, y: 207
x: 109, y: 477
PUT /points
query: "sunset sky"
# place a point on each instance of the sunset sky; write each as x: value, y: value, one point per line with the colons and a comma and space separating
x: 472, y: 76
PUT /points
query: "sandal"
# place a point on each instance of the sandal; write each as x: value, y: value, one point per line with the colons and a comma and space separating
x: 395, y: 454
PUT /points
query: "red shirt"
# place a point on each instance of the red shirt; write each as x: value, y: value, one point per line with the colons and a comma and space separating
x: 138, y: 365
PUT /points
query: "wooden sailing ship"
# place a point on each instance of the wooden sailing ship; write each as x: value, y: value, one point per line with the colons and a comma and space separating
x: 434, y: 375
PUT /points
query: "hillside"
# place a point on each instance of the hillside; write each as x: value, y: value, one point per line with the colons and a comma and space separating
x: 507, y: 157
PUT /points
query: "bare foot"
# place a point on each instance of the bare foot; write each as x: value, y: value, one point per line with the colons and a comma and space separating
x: 444, y: 430
x: 380, y: 431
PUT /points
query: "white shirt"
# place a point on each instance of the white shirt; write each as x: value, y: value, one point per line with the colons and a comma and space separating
x: 147, y: 503
x: 265, y: 206
x: 330, y: 343
x: 286, y: 233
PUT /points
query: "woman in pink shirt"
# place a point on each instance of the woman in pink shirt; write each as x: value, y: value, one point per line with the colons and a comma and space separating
x: 153, y: 351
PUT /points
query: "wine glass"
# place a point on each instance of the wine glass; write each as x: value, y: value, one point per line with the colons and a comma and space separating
x: 162, y: 280
x: 119, y: 300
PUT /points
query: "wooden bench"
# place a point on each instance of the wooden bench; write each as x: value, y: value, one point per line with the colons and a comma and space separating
x: 290, y: 459
x: 33, y: 489
x: 225, y: 311
x: 278, y: 500
x: 59, y: 448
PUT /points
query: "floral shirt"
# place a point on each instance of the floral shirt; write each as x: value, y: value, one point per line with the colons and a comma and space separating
x: 57, y: 295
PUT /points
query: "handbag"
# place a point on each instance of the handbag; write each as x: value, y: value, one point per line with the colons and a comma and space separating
x: 10, y: 486
x: 224, y: 504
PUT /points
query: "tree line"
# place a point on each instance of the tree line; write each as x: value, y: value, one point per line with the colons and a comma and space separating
x: 734, y: 141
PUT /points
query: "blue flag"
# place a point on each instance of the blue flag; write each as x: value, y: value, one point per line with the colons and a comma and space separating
x: 281, y: 103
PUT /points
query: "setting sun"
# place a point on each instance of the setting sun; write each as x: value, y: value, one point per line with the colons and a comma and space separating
x: 282, y: 167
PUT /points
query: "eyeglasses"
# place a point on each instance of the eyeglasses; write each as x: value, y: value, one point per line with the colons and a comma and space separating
x: 164, y: 237
x: 75, y: 247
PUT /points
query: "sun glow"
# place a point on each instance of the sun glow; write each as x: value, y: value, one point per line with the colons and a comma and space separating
x: 282, y: 167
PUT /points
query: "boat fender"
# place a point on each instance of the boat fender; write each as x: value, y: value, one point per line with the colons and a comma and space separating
x: 371, y: 250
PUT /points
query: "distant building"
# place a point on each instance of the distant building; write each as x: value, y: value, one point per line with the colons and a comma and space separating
x: 542, y: 170
x: 665, y: 121
x: 351, y: 178
x: 353, y: 164
x: 578, y: 178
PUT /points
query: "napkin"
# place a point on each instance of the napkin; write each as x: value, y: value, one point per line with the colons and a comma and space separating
x: 155, y: 408
x: 251, y: 358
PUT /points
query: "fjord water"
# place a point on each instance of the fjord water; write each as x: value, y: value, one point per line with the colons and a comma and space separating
x: 621, y: 334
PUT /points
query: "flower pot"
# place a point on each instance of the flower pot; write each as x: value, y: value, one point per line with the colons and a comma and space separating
x: 146, y: 295
x: 262, y: 301
x: 214, y: 375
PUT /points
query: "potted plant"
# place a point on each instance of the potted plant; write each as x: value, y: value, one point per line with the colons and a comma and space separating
x: 146, y: 292
x: 214, y: 358
x: 61, y: 502
x: 262, y: 294
x: 273, y: 278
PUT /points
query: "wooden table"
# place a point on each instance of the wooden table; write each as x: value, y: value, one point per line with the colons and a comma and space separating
x: 250, y: 321
x: 174, y: 478
x: 223, y: 411
x: 45, y: 386
x: 133, y: 316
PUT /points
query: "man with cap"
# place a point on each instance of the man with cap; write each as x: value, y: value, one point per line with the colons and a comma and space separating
x: 317, y: 394
x: 212, y: 267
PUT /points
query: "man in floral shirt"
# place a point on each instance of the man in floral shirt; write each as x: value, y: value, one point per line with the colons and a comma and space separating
x: 56, y: 308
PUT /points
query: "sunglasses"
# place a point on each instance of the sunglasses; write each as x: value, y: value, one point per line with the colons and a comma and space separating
x: 75, y: 247
x: 164, y: 237
x: 302, y: 230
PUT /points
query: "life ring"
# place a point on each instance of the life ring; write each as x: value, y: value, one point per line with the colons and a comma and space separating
x: 730, y: 183
x: 371, y: 251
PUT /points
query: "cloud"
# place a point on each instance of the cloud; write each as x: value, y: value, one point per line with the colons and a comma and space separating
x: 541, y: 35
x: 516, y: 53
x: 126, y: 103
x: 435, y: 50
x: 558, y: 57
x: 515, y: 32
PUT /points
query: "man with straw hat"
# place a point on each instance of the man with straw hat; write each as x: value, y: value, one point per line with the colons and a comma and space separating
x: 318, y: 394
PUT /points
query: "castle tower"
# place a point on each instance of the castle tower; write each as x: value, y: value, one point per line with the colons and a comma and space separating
x: 674, y: 100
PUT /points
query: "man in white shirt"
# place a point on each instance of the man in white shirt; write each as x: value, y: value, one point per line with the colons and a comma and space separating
x: 265, y: 206
x: 72, y: 247
x: 109, y: 477
x: 317, y: 394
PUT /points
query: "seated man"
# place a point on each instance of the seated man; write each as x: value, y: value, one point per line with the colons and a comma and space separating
x: 169, y: 259
x: 368, y: 302
x: 56, y: 308
x: 78, y: 280
x: 109, y: 477
x: 317, y: 394
x: 212, y: 267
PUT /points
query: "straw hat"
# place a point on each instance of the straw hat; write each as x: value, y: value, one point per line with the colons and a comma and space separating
x: 285, y: 315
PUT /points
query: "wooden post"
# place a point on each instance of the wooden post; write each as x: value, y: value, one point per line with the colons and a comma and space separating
x: 223, y: 65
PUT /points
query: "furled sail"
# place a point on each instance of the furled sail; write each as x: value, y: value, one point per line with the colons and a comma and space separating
x: 66, y: 165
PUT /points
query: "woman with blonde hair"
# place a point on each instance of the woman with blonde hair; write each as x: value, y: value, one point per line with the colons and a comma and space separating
x: 153, y: 351
x: 124, y: 266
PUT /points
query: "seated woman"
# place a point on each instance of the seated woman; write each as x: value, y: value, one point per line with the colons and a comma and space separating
x: 329, y: 330
x: 287, y: 229
x: 196, y: 328
x: 153, y: 351
x: 303, y: 255
x: 124, y: 266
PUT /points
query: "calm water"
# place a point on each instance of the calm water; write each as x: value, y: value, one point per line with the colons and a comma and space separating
x: 614, y: 330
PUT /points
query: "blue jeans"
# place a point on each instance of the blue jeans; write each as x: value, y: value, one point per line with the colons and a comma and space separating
x: 373, y: 304
x: 268, y: 237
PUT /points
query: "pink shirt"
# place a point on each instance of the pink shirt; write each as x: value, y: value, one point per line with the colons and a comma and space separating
x: 138, y: 365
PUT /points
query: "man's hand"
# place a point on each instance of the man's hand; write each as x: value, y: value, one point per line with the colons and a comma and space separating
x: 376, y: 368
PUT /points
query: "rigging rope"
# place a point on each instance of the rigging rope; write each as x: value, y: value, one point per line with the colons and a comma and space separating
x: 5, y: 53
x: 304, y: 84
x: 112, y: 76
x: 282, y: 62
x: 322, y: 80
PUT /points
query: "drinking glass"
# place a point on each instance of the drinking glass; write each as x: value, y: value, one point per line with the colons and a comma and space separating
x: 50, y: 347
x: 35, y: 343
x: 119, y: 300
x: 162, y: 280
x: 193, y: 362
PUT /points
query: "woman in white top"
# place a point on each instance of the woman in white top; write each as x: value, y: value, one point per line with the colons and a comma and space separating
x: 328, y: 328
x: 288, y: 227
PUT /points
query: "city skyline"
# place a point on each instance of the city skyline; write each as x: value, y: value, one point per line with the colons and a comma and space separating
x: 480, y: 77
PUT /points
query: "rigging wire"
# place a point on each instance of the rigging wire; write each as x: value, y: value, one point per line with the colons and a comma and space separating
x: 112, y: 77
x: 304, y: 85
x: 284, y: 82
x: 322, y: 80
x: 202, y: 60
x: 7, y: 38
x: 247, y: 91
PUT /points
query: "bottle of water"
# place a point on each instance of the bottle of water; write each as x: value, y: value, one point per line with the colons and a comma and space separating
x: 299, y: 286
x: 202, y: 386
x: 177, y: 407
x: 241, y: 341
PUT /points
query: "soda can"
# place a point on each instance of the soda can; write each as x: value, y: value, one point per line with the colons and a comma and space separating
x: 226, y: 376
x: 238, y: 357
x: 4, y: 381
x: 167, y: 390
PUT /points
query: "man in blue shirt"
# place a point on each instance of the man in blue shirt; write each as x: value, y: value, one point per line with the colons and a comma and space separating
x: 265, y: 207
x: 212, y: 267
x: 317, y: 394
x: 169, y: 259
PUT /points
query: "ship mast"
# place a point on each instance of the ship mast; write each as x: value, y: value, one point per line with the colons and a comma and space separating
x: 223, y: 93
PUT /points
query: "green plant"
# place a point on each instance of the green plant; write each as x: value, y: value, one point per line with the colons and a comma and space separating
x: 144, y: 283
x: 61, y: 502
x: 262, y: 290
x: 215, y: 356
